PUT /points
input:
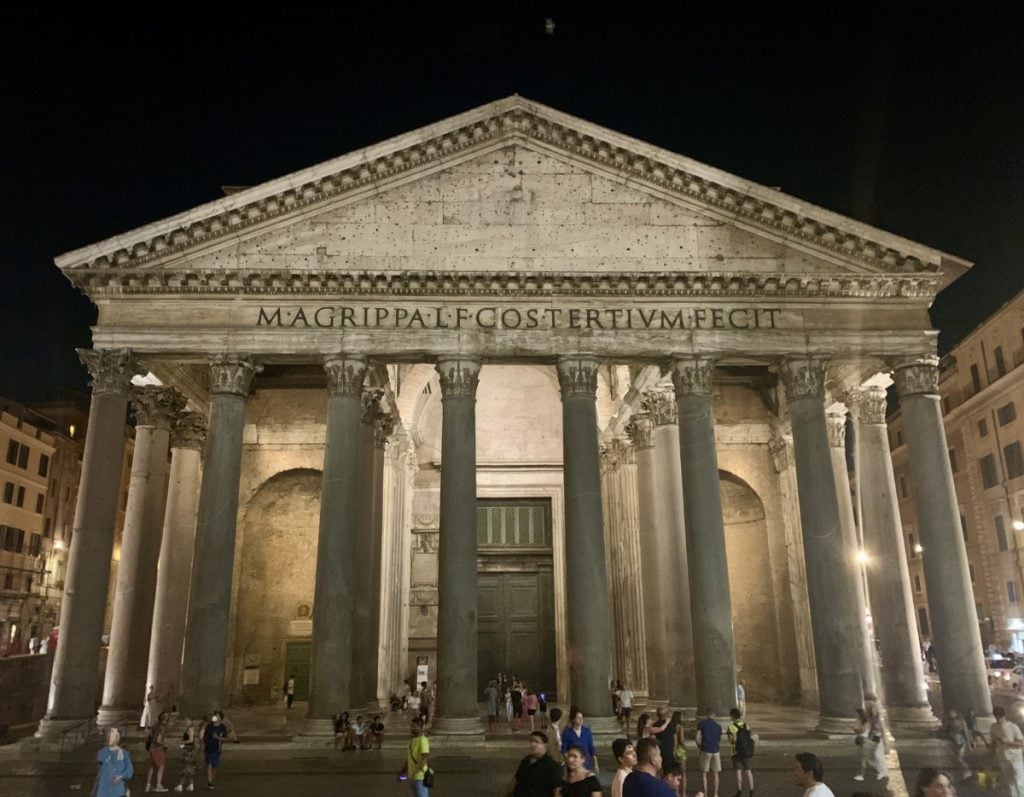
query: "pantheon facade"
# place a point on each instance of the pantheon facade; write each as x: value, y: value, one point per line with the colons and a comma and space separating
x: 511, y: 392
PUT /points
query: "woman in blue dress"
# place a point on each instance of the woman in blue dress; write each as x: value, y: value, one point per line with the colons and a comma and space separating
x: 115, y: 768
x: 578, y: 735
x: 213, y: 738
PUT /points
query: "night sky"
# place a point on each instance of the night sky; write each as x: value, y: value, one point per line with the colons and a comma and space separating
x: 912, y: 122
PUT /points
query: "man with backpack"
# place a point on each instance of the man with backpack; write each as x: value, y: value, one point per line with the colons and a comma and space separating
x: 742, y: 750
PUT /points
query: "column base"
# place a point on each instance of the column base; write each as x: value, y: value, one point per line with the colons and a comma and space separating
x: 318, y: 726
x: 913, y: 718
x: 833, y: 727
x: 61, y: 735
x: 108, y: 716
x: 603, y: 726
x: 457, y: 726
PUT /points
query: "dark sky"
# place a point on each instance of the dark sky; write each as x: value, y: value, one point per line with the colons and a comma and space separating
x: 910, y: 121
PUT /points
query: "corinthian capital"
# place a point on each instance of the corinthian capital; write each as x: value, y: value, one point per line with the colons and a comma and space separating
x: 617, y: 452
x: 459, y: 376
x: 383, y: 426
x: 111, y: 370
x: 781, y: 450
x: 917, y: 375
x: 662, y: 407
x: 189, y: 431
x: 869, y: 405
x: 231, y: 374
x: 693, y: 375
x: 157, y: 406
x: 835, y: 422
x: 803, y: 377
x: 640, y: 429
x: 577, y: 375
x: 371, y: 410
x: 345, y: 374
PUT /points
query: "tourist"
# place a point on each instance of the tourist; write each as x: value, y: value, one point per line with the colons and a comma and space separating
x: 955, y: 728
x: 213, y: 739
x: 643, y: 780
x: 517, y: 705
x: 426, y: 703
x: 625, y: 756
x: 579, y: 780
x: 531, y: 706
x: 343, y: 732
x: 644, y: 724
x: 665, y: 731
x: 578, y: 735
x: 509, y: 714
x: 1008, y: 745
x: 157, y: 747
x: 377, y: 732
x: 491, y: 699
x: 149, y: 710
x: 973, y: 734
x: 742, y: 750
x: 187, y: 778
x: 709, y: 740
x: 417, y: 759
x: 933, y: 783
x: 412, y: 703
x: 359, y: 731
x: 289, y: 690
x: 809, y: 773
x: 616, y: 705
x: 872, y: 746
x: 625, y: 698
x: 555, y: 734
x: 538, y: 775
x: 115, y: 768
x: 679, y: 750
x: 741, y: 698
x: 673, y: 773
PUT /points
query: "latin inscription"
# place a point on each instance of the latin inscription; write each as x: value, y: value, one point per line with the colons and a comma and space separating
x: 493, y: 317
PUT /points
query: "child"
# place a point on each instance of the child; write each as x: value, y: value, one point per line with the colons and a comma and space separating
x: 377, y: 732
x: 359, y: 733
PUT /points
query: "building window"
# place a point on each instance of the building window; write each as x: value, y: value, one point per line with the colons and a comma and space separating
x: 1014, y: 460
x: 39, y: 503
x: 912, y: 545
x: 13, y: 539
x: 988, y: 471
x: 1011, y: 591
x: 976, y: 378
x: 904, y: 491
x: 23, y: 457
x: 12, y: 452
x: 922, y: 620
x: 9, y: 493
x: 21, y: 496
x: 1001, y: 533
x: 917, y: 583
x: 982, y: 428
x: 1000, y: 361
x: 35, y: 545
x: 1006, y: 414
x: 44, y: 464
x: 952, y: 460
x: 8, y: 581
x: 28, y: 583
x: 47, y: 525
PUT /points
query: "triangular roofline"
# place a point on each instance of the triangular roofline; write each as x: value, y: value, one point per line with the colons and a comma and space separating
x: 632, y: 160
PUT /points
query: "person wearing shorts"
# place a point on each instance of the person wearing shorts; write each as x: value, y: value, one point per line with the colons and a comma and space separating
x: 740, y: 763
x: 709, y: 741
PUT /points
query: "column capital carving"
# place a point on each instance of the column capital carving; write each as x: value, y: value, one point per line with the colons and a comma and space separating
x: 189, y: 431
x: 781, y: 450
x: 577, y: 375
x: 835, y: 422
x: 617, y: 452
x: 869, y: 405
x: 693, y: 375
x: 370, y: 401
x: 663, y: 409
x: 459, y: 376
x: 383, y: 426
x: 231, y: 374
x: 157, y: 406
x: 110, y: 370
x: 803, y: 377
x: 917, y: 375
x: 640, y: 429
x: 345, y: 374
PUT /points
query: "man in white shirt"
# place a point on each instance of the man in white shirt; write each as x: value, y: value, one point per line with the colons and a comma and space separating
x: 1008, y: 742
x: 809, y: 773
x: 625, y: 697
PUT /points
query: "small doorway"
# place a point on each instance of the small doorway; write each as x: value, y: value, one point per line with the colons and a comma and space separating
x: 296, y: 662
x: 515, y: 598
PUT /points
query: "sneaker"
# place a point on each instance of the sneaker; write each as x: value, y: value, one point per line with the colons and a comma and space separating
x: 858, y: 777
x: 160, y: 788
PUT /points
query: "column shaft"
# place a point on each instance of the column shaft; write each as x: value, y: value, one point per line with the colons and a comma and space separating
x: 331, y: 658
x: 955, y: 631
x: 76, y: 663
x: 175, y: 572
x: 830, y: 571
x: 209, y: 605
x: 589, y: 627
x: 457, y: 707
x: 707, y: 565
x: 892, y: 602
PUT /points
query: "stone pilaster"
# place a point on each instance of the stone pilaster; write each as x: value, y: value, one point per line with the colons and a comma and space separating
x: 124, y: 686
x: 206, y: 634
x: 892, y: 601
x: 331, y: 655
x: 589, y: 627
x: 835, y: 420
x: 711, y: 605
x: 188, y: 436
x: 955, y: 631
x: 457, y: 688
x: 76, y: 663
x: 830, y: 573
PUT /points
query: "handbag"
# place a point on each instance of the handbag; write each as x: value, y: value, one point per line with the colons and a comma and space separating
x: 428, y: 779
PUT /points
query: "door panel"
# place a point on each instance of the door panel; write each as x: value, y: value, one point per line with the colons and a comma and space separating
x: 296, y: 662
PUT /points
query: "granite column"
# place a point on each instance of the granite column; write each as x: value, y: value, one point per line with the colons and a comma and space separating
x: 714, y: 650
x: 955, y: 631
x: 457, y: 688
x: 209, y: 605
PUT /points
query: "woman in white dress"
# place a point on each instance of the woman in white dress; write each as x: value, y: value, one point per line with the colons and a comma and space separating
x: 150, y: 711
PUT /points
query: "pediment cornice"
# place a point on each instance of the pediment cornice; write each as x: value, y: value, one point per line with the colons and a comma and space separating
x: 516, y: 119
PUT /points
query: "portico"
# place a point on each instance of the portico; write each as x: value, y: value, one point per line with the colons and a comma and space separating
x: 543, y: 309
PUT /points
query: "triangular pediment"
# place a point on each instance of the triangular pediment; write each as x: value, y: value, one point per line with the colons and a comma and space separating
x: 513, y: 186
